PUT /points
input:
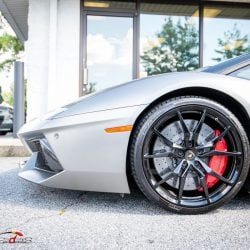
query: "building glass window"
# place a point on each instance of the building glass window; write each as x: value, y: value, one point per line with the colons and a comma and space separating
x: 169, y: 38
x: 226, y: 33
x: 109, y: 51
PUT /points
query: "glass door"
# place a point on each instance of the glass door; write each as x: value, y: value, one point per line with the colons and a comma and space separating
x: 108, y: 57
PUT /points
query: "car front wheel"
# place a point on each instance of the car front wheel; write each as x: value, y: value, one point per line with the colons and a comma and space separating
x: 189, y: 154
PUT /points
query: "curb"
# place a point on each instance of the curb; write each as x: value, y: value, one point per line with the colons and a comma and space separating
x: 13, y: 151
x: 12, y: 147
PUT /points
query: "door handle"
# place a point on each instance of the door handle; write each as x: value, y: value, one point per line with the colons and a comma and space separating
x: 85, y: 76
x: 85, y: 80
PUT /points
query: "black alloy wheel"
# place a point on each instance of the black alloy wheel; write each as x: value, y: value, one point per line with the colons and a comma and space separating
x: 189, y: 154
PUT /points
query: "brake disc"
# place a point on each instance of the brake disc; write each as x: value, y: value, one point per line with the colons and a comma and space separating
x: 165, y: 165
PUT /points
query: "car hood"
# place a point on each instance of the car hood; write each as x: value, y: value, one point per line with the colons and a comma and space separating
x: 144, y: 91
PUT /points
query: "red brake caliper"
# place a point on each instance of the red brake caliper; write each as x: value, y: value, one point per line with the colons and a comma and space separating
x: 217, y: 163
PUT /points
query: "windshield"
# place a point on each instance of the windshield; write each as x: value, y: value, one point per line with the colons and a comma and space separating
x: 231, y: 64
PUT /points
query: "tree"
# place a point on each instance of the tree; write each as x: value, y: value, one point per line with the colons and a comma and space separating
x: 176, y: 51
x: 10, y: 47
x: 233, y: 44
x: 1, y: 98
x: 8, y: 96
x: 90, y: 88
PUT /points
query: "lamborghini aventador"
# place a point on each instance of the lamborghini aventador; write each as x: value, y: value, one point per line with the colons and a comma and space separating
x: 183, y: 136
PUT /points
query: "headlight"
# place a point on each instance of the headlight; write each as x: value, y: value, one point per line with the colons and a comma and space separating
x: 7, y: 113
x: 11, y: 111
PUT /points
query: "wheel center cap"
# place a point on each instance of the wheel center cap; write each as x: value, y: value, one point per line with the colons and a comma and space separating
x: 190, y: 155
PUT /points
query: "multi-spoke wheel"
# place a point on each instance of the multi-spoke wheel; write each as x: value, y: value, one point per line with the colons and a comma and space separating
x: 189, y: 154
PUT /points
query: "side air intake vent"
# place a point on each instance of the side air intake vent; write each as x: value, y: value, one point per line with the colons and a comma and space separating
x: 47, y: 160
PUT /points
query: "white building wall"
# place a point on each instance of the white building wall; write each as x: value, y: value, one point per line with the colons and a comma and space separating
x: 37, y: 58
x: 53, y: 54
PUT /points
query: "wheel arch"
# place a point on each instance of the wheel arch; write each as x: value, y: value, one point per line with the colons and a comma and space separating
x: 215, y: 95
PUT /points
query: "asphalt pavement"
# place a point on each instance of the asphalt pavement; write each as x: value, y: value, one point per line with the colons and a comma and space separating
x: 63, y: 219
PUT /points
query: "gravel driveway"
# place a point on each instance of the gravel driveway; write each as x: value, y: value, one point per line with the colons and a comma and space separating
x: 62, y: 219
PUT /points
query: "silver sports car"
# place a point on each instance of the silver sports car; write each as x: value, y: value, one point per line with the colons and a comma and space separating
x: 183, y: 136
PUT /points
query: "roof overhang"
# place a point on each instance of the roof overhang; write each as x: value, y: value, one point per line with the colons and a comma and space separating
x: 16, y: 13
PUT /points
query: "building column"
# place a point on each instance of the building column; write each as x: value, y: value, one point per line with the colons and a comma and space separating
x: 37, y: 58
x: 52, y: 37
x: 52, y: 55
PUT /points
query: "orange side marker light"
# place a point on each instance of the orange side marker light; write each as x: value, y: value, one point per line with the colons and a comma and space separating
x: 119, y: 129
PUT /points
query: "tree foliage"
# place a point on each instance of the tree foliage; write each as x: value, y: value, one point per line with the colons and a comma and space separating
x: 8, y: 96
x: 1, y: 98
x: 232, y: 44
x: 176, y: 51
x: 10, y: 46
x: 91, y: 88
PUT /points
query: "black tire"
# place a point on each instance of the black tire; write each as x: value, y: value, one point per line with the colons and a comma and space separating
x: 187, y: 158
x: 3, y: 132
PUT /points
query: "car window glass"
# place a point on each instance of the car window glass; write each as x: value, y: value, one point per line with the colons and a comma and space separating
x: 242, y: 73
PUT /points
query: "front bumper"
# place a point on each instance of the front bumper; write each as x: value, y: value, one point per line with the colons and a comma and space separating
x: 89, y: 158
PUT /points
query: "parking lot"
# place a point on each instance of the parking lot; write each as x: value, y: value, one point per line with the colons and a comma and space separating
x: 62, y: 219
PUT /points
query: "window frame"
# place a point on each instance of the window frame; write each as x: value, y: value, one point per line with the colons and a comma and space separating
x: 202, y: 4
